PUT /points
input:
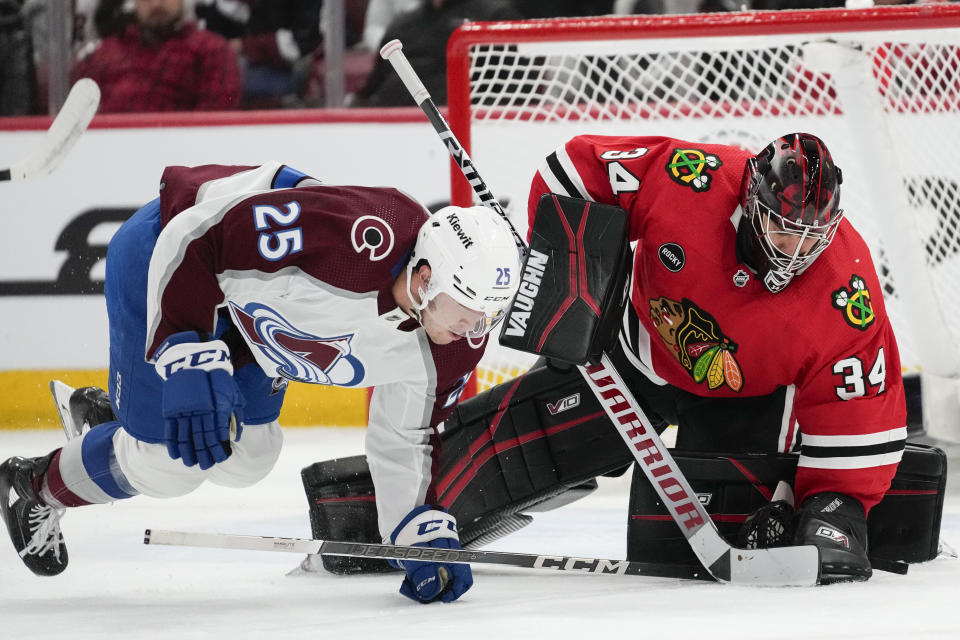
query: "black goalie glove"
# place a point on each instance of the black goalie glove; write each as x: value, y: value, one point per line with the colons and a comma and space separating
x: 833, y: 522
x: 772, y: 525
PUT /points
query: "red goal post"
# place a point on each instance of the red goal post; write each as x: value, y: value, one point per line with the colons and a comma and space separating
x: 881, y: 86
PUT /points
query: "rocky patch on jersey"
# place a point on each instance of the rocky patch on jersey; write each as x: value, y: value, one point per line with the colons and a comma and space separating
x: 298, y: 355
x: 694, y: 338
x: 672, y: 256
x: 855, y: 303
x: 688, y: 167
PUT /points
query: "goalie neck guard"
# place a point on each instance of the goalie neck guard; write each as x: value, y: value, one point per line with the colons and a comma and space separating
x: 473, y: 260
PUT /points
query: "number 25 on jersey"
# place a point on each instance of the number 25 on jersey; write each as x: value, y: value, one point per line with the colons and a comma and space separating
x: 277, y: 239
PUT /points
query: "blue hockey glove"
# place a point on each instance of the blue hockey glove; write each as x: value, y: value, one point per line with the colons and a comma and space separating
x: 202, y: 406
x: 429, y: 581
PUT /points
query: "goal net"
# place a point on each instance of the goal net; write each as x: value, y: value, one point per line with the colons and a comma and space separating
x: 880, y: 86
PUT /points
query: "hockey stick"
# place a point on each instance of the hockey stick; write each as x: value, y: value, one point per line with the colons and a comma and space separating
x: 72, y: 120
x: 782, y: 566
x: 400, y: 552
x: 392, y: 52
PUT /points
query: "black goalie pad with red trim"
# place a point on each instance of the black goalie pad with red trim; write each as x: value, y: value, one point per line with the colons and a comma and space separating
x: 342, y: 507
x: 573, y: 287
x: 532, y: 444
x: 903, y: 528
x: 522, y: 443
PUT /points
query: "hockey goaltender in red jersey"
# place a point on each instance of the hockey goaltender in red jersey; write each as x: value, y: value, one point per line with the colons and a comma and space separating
x: 237, y: 280
x: 756, y: 322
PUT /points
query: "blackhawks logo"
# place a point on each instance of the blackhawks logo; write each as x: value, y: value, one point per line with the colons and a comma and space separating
x: 855, y: 303
x: 695, y: 340
x: 688, y: 167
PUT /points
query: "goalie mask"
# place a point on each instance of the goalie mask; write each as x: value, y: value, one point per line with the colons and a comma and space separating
x: 475, y: 268
x: 790, y: 202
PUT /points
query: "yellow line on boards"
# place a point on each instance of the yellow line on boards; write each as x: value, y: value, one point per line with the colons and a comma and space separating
x: 26, y: 403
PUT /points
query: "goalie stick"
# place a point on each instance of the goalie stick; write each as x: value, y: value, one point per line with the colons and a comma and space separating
x: 72, y: 120
x: 433, y: 554
x: 781, y: 566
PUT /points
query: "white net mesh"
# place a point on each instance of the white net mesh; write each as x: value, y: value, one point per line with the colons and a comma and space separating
x: 529, y: 97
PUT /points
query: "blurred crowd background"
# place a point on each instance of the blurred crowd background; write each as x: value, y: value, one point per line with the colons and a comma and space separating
x: 189, y: 55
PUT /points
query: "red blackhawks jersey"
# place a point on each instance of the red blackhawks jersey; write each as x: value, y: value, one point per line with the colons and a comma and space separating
x: 708, y: 326
x: 305, y: 271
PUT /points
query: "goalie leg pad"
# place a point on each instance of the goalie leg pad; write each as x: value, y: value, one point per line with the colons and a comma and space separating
x: 905, y: 525
x: 522, y: 444
x: 730, y: 488
x: 533, y: 444
x: 342, y: 507
x: 903, y: 528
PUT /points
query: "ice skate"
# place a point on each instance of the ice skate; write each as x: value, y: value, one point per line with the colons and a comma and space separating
x: 80, y: 409
x: 34, y: 527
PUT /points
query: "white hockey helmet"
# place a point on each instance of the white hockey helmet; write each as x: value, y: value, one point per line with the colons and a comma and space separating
x: 473, y: 259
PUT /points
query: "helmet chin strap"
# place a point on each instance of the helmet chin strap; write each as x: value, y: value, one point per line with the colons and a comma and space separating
x: 415, y: 307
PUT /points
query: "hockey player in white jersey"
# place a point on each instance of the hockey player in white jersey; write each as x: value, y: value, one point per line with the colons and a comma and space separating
x: 237, y: 280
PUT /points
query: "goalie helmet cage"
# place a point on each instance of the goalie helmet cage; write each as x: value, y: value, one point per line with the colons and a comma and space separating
x: 881, y: 86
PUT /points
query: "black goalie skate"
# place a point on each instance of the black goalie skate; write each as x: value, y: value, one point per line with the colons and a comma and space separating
x: 34, y: 527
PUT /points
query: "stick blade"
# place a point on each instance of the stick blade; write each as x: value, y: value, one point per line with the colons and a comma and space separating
x: 72, y: 120
x: 228, y: 541
x: 778, y: 567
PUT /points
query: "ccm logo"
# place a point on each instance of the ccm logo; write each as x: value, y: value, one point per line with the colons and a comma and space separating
x: 563, y: 404
x: 591, y: 565
x: 196, y: 360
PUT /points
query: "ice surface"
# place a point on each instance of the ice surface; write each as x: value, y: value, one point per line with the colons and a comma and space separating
x: 118, y: 588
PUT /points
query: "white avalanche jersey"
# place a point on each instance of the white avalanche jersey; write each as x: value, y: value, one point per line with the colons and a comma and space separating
x: 305, y: 271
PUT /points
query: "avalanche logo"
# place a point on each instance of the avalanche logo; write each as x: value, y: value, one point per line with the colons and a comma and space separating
x: 372, y: 234
x: 298, y: 355
x: 457, y: 391
x: 688, y: 167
